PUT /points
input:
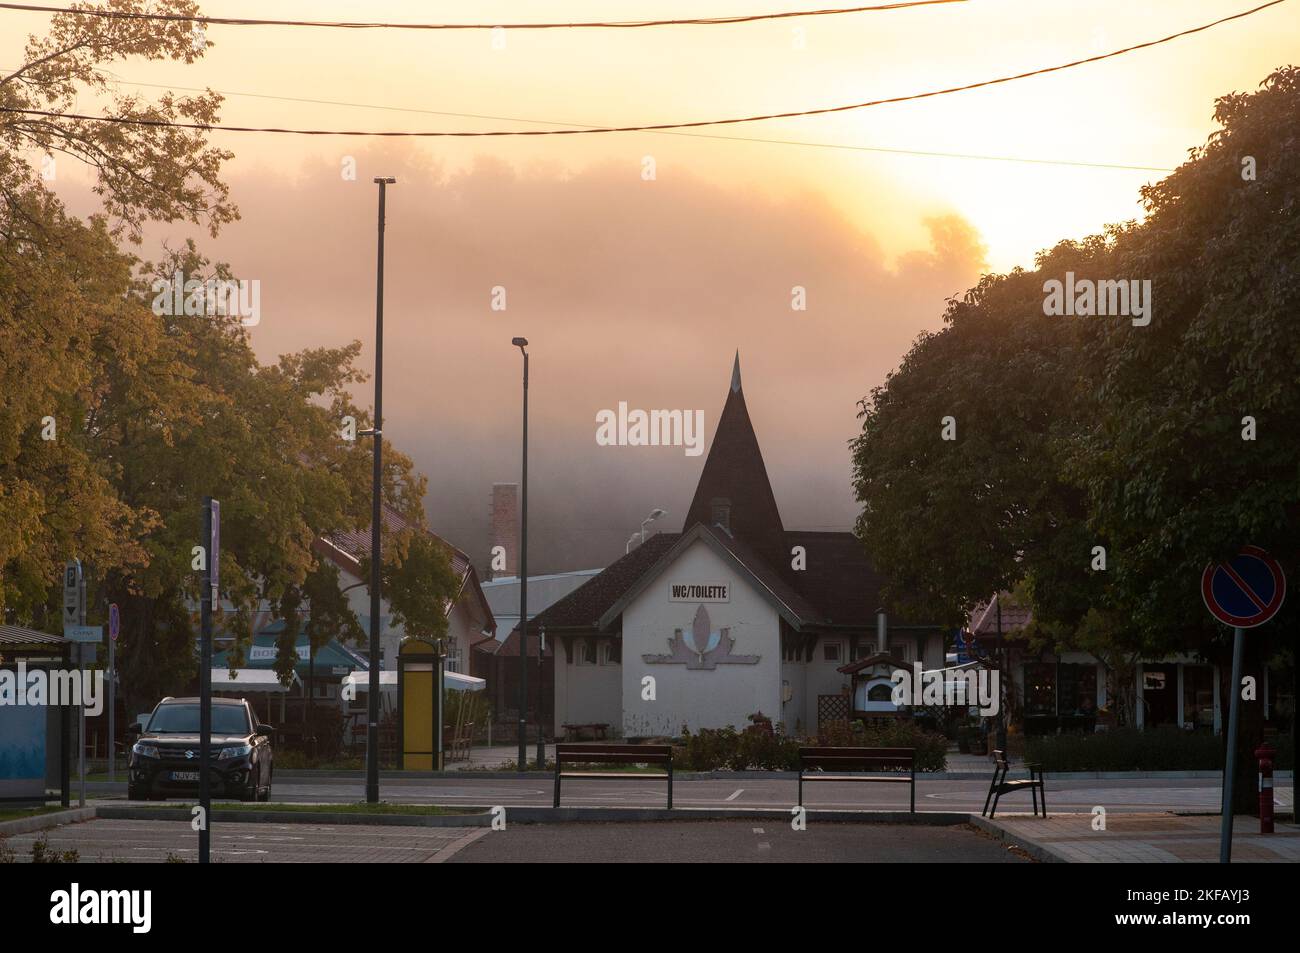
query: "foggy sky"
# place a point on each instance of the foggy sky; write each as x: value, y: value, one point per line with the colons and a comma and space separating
x: 628, y: 290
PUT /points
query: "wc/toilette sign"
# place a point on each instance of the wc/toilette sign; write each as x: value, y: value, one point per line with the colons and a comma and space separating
x: 699, y: 592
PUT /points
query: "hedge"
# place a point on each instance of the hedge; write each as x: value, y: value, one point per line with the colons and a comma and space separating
x: 1127, y: 749
x: 755, y: 749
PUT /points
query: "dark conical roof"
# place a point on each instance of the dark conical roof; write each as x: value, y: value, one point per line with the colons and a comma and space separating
x: 734, y: 471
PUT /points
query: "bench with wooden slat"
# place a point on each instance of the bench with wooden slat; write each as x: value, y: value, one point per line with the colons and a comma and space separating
x: 835, y: 764
x: 653, y: 755
x: 1001, y: 785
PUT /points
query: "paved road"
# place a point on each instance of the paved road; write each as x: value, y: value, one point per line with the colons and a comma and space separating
x: 734, y: 842
x: 105, y: 841
x: 1143, y: 795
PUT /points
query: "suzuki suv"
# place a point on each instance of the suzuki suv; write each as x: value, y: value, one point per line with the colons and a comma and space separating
x: 165, y: 759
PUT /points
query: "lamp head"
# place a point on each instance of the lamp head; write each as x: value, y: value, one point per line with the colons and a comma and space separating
x: 385, y: 179
x: 519, y: 342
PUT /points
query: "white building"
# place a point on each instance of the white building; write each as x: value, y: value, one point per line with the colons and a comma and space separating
x: 734, y: 616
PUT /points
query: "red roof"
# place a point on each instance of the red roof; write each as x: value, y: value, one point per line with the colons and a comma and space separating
x: 1015, y: 616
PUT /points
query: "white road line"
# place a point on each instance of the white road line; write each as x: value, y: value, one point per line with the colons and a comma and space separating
x: 735, y: 794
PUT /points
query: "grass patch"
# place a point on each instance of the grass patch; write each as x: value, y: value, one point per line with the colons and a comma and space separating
x: 18, y: 813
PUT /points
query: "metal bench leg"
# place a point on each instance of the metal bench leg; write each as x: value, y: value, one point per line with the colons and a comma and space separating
x: 1033, y: 793
x: 913, y: 787
x: 989, y: 797
x: 670, y: 787
x: 557, y: 784
x: 801, y: 787
x: 996, y: 797
x: 1042, y: 785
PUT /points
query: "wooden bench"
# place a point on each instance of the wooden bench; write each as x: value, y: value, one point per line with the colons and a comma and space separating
x: 613, y: 754
x: 1001, y: 785
x: 832, y: 764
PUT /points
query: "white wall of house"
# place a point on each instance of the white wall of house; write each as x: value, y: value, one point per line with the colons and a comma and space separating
x: 588, y: 692
x: 728, y: 693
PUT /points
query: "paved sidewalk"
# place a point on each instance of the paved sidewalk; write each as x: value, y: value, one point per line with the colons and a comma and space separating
x: 481, y: 757
x: 1146, y: 838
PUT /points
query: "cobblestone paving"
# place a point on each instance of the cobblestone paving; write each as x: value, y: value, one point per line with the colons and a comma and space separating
x: 105, y: 840
x: 1154, y: 838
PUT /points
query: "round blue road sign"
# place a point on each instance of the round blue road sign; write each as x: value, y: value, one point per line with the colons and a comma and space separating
x: 1245, y: 591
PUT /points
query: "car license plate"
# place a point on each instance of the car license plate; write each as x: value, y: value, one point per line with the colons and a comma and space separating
x: 185, y: 775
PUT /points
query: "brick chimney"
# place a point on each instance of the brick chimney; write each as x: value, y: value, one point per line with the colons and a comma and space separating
x: 505, y: 528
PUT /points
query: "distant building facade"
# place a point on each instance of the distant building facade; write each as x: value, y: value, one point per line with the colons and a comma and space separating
x: 733, y: 616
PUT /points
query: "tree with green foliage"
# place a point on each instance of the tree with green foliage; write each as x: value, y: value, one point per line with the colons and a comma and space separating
x: 1074, y: 433
x: 116, y: 419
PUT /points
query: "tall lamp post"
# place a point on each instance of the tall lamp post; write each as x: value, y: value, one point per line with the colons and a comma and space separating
x: 654, y: 515
x: 522, y: 343
x: 376, y: 516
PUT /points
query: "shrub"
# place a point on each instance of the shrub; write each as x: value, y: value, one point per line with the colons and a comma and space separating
x: 756, y: 749
x: 1127, y: 749
x: 931, y: 747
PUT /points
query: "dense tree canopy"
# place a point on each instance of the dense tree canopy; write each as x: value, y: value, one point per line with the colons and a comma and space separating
x: 116, y: 420
x: 1079, y: 432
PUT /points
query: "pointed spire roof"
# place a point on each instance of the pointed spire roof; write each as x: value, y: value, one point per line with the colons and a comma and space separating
x: 734, y: 471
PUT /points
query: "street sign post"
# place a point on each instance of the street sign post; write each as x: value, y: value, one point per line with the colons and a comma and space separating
x: 114, y: 626
x: 208, y: 595
x: 1243, y: 592
x: 76, y: 630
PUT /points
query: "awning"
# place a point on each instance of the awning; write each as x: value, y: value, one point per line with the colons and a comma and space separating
x: 463, y: 683
x: 247, y: 680
x: 388, y: 679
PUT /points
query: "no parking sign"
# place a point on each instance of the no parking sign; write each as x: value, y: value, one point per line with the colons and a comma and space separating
x: 1245, y: 591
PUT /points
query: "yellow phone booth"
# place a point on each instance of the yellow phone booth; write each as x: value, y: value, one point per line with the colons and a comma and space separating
x: 419, y: 699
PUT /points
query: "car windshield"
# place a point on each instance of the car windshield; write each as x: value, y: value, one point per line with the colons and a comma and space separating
x: 175, y: 719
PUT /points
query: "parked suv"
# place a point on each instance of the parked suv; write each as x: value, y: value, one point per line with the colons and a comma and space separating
x: 165, y: 759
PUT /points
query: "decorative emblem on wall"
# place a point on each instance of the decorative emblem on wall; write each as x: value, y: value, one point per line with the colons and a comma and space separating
x: 703, y: 647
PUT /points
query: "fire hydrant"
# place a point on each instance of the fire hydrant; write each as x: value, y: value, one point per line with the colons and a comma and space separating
x: 1265, y: 753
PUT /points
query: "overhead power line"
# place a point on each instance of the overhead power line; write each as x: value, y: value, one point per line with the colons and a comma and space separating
x: 648, y: 127
x: 600, y: 24
x: 686, y: 135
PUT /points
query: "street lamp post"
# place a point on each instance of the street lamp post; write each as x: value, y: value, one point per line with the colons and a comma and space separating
x: 522, y: 343
x: 654, y: 515
x: 376, y: 516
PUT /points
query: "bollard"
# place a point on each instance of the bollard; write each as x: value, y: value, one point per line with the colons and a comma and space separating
x: 1265, y: 753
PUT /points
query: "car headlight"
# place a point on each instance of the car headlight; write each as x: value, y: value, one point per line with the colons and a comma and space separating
x: 144, y: 750
x: 238, y: 751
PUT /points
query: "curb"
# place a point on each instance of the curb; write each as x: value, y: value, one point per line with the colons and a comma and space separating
x: 305, y: 774
x: 296, y: 817
x: 40, y: 822
x: 1035, y: 850
x: 565, y: 815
